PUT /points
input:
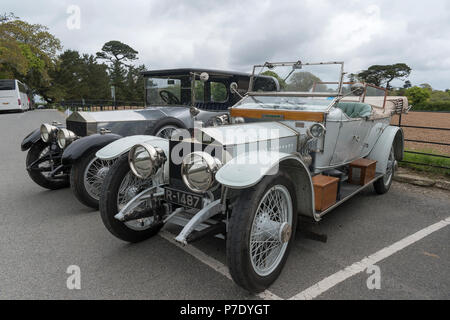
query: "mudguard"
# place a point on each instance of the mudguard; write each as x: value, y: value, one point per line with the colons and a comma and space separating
x: 246, y: 170
x: 249, y: 169
x: 382, y: 148
x: 121, y: 146
x: 80, y: 147
x: 31, y: 139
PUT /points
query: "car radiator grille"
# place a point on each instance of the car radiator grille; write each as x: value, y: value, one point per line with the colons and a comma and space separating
x: 81, y: 129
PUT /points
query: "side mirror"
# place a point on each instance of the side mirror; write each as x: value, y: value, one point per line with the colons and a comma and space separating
x: 357, y: 89
x: 204, y: 76
x: 234, y: 87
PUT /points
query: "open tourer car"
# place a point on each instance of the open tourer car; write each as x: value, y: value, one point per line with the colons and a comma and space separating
x: 298, y: 151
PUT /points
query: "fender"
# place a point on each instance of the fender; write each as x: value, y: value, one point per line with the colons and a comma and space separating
x: 80, y: 147
x: 31, y: 139
x: 122, y: 146
x: 382, y: 148
x: 248, y: 169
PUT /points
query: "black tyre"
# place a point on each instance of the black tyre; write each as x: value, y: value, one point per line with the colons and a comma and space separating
x: 263, y: 221
x: 87, y: 176
x: 119, y: 188
x: 383, y: 184
x: 166, y: 126
x: 42, y: 178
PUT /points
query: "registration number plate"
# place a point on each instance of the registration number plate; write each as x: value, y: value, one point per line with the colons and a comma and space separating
x: 182, y: 198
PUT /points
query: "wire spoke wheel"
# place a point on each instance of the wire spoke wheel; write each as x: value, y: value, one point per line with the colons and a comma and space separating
x: 48, y: 164
x: 390, y: 168
x: 94, y: 175
x: 128, y: 189
x: 166, y: 131
x: 270, y: 229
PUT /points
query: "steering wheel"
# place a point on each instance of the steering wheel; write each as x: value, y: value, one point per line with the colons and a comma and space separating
x: 168, y: 97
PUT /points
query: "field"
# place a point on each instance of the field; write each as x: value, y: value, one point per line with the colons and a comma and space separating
x: 426, y: 119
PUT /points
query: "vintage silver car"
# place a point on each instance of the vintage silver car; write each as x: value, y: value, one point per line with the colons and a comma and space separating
x: 60, y: 154
x: 300, y: 150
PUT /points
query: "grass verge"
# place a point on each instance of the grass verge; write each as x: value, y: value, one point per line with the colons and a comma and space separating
x: 427, y: 160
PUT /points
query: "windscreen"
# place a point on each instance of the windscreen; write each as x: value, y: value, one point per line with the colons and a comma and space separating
x: 163, y: 91
x: 7, y: 85
x: 304, y: 78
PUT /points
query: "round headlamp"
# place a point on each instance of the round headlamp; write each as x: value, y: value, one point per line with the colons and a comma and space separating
x: 198, y: 170
x: 65, y: 137
x: 145, y: 160
x: 46, y: 131
x: 316, y: 130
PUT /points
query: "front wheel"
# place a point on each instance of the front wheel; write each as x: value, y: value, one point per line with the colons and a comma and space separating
x: 40, y: 163
x: 261, y: 231
x: 120, y: 186
x: 383, y: 184
x: 86, y: 178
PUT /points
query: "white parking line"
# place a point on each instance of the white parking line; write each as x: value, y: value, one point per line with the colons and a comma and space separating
x: 333, y: 280
x: 211, y: 262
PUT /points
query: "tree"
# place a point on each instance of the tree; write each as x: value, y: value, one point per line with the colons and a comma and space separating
x: 417, y: 95
x: 28, y: 52
x: 276, y: 76
x: 79, y: 76
x: 426, y: 86
x: 380, y: 74
x: 118, y: 55
x: 407, y: 84
x: 115, y: 51
x: 302, y: 81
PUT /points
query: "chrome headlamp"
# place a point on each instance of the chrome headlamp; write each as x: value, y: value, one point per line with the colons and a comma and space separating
x: 220, y: 120
x: 317, y: 130
x: 46, y: 131
x: 65, y: 137
x: 145, y: 160
x: 198, y: 170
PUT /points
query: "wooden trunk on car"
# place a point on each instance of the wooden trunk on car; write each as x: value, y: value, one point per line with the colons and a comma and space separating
x: 362, y: 171
x: 325, y: 191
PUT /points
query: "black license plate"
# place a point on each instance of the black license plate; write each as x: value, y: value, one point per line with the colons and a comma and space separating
x: 183, y: 199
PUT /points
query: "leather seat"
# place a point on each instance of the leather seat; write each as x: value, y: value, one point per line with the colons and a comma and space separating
x: 355, y: 109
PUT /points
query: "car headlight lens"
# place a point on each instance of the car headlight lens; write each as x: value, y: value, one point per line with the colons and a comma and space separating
x: 145, y: 160
x: 198, y: 170
x: 65, y: 137
x: 46, y: 131
x: 317, y: 130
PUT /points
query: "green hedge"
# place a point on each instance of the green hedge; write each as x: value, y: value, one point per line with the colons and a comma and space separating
x: 432, y: 106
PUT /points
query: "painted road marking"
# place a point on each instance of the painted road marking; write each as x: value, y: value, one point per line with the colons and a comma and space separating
x: 340, y: 276
x: 211, y: 262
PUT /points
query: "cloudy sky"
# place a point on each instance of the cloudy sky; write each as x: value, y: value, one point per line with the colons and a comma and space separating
x: 236, y: 34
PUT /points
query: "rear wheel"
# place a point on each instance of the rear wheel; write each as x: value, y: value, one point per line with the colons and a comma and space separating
x: 86, y: 178
x: 120, y: 186
x: 261, y: 231
x: 40, y: 172
x: 383, y: 184
x: 165, y: 127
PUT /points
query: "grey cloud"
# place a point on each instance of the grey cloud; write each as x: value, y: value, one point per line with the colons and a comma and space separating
x: 237, y: 34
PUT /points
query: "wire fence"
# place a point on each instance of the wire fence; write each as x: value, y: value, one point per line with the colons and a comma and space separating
x: 101, y: 105
x: 425, y: 142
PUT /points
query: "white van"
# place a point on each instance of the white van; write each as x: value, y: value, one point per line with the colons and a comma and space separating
x: 13, y: 95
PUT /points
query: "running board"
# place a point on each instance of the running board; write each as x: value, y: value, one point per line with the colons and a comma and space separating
x: 348, y: 191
